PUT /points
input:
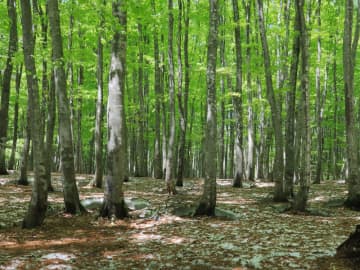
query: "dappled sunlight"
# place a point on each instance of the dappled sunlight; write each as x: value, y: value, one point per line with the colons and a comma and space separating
x: 143, y: 237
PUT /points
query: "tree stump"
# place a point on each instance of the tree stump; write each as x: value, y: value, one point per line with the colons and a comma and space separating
x: 350, y: 248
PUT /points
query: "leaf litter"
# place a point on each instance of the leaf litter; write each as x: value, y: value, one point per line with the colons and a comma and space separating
x: 250, y: 231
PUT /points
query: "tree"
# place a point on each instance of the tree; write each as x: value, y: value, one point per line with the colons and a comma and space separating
x: 290, y: 115
x: 98, y: 177
x: 278, y: 169
x: 38, y: 203
x: 305, y: 177
x: 158, y: 173
x: 5, y: 89
x: 71, y: 195
x: 114, y: 204
x: 11, y: 164
x: 237, y: 101
x: 350, y: 43
x: 170, y: 185
x: 207, y: 202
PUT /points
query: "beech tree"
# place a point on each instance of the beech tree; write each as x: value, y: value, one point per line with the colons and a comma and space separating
x: 350, y: 44
x: 114, y: 204
x: 38, y: 203
x: 207, y: 202
x: 71, y: 195
x: 6, y: 80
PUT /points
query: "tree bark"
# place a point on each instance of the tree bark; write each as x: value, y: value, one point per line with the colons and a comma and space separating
x: 38, y: 203
x: 290, y: 115
x: 170, y: 185
x: 301, y: 197
x: 278, y: 170
x: 207, y: 202
x: 319, y: 105
x: 5, y: 90
x: 350, y: 44
x: 71, y: 195
x: 11, y: 164
x: 237, y: 102
x: 98, y: 177
x: 114, y: 204
x: 158, y: 173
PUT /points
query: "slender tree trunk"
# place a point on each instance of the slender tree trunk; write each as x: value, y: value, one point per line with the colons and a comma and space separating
x: 11, y: 164
x: 114, y: 204
x: 5, y: 89
x: 278, y: 170
x: 250, y: 127
x: 290, y: 116
x: 301, y: 197
x: 223, y: 98
x: 140, y: 145
x: 50, y: 127
x: 207, y: 202
x: 350, y: 43
x: 98, y: 177
x: 335, y: 148
x: 71, y: 195
x: 237, y: 102
x: 170, y: 185
x: 23, y: 180
x: 182, y: 96
x: 319, y: 104
x: 158, y: 173
x: 38, y: 203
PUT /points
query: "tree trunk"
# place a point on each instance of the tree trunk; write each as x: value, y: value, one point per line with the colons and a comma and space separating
x: 349, y: 55
x: 11, y: 164
x: 98, y: 177
x: 319, y: 104
x: 38, y: 203
x: 71, y: 195
x: 183, y: 96
x: 221, y: 153
x: 5, y: 90
x: 158, y: 173
x: 301, y: 197
x: 23, y: 180
x: 140, y: 145
x: 114, y: 204
x: 278, y: 170
x: 290, y: 115
x: 251, y: 136
x: 237, y: 102
x: 170, y: 185
x: 208, y: 199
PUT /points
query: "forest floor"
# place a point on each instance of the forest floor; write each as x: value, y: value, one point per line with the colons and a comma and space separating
x: 251, y: 231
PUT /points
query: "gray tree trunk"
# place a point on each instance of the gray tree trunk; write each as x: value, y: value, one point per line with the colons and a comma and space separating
x: 350, y: 43
x: 278, y: 170
x: 301, y: 197
x: 99, y: 169
x: 170, y: 185
x: 250, y: 168
x: 11, y: 164
x: 319, y: 104
x: 207, y: 202
x: 114, y: 204
x: 71, y: 195
x: 5, y: 87
x: 158, y: 173
x: 237, y: 102
x: 290, y: 115
x: 38, y: 203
